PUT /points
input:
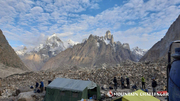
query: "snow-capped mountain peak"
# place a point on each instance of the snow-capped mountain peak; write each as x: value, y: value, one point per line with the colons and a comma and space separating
x: 69, y: 43
x: 53, y: 39
x: 36, y: 57
x: 52, y: 36
x: 138, y: 52
x: 39, y: 47
x: 51, y: 47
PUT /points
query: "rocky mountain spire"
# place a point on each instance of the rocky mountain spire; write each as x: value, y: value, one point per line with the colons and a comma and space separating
x: 109, y: 37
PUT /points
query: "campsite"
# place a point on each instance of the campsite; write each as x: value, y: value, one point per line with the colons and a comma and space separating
x: 103, y: 77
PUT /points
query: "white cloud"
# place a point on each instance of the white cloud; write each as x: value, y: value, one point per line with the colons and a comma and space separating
x: 19, y: 47
x: 36, y: 10
x: 95, y: 6
x: 48, y: 1
x: 130, y: 23
x: 136, y: 37
x: 44, y: 17
x: 23, y: 6
x: 134, y: 22
x: 65, y: 34
x: 50, y: 7
x: 11, y: 36
x: 6, y: 10
x: 6, y: 19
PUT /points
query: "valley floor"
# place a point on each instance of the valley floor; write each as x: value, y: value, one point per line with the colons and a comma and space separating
x: 102, y: 76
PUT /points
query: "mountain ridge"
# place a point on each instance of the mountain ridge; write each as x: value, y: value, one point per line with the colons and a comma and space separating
x: 10, y: 63
x: 7, y: 54
x: 159, y: 50
x: 95, y: 51
x: 37, y: 57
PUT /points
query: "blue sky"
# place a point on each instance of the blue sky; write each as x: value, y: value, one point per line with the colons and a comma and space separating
x: 138, y: 22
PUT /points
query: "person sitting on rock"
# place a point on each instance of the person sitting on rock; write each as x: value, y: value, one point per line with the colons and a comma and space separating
x: 115, y: 83
x: 134, y: 87
x: 36, y: 87
x: 38, y: 90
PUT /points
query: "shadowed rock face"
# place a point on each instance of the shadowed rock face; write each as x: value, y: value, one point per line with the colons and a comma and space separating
x: 160, y: 50
x: 33, y: 61
x: 92, y: 53
x: 8, y: 57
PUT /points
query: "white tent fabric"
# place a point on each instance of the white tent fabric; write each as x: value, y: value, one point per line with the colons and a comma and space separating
x: 71, y: 84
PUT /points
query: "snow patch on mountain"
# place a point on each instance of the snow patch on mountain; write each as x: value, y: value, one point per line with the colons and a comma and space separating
x: 39, y: 47
x: 98, y: 45
x: 138, y: 52
x: 51, y: 47
x: 107, y: 41
x: 126, y: 46
x: 22, y: 51
x: 52, y: 37
x: 69, y: 43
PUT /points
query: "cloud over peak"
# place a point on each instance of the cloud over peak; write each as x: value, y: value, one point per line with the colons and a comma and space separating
x: 132, y: 21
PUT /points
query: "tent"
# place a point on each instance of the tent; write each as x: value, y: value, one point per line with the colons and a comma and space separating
x: 139, y: 95
x: 63, y: 89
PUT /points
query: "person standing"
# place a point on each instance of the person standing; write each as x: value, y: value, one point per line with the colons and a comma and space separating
x: 41, y: 86
x: 37, y: 84
x: 36, y: 87
x: 143, y: 82
x: 154, y: 85
x: 127, y: 82
x: 122, y: 82
x: 115, y: 83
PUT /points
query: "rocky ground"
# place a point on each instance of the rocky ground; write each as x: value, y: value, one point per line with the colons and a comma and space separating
x: 102, y: 76
x: 6, y: 71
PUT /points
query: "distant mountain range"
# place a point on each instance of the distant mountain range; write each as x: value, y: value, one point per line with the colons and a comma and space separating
x: 36, y: 58
x: 93, y: 52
